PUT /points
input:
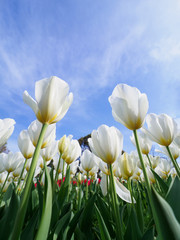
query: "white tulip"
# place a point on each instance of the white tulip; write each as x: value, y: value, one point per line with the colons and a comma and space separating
x: 25, y: 145
x: 34, y: 130
x: 52, y: 99
x: 106, y: 143
x: 161, y: 128
x: 6, y: 129
x: 129, y: 106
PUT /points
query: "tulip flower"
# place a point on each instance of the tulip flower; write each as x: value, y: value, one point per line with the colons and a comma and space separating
x: 174, y: 149
x: 71, y: 152
x: 127, y: 165
x: 34, y: 130
x: 88, y: 160
x: 6, y: 129
x: 25, y: 145
x: 49, y: 152
x: 106, y: 143
x: 144, y: 142
x: 52, y: 99
x: 129, y: 106
x: 161, y: 128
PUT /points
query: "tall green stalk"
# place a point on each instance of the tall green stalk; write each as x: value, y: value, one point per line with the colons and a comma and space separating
x: 119, y: 234
x: 27, y: 190
x: 19, y: 180
x: 176, y: 166
x: 87, y: 186
x: 56, y: 176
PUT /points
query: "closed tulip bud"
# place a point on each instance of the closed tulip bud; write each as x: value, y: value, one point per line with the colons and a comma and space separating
x: 127, y: 165
x: 71, y: 152
x: 6, y: 129
x: 88, y: 160
x: 25, y: 145
x: 161, y: 128
x: 106, y: 143
x: 64, y: 143
x: 129, y: 106
x: 34, y: 131
x: 52, y: 99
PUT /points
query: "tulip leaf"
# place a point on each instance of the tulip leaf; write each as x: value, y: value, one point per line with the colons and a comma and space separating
x: 149, y: 234
x: 103, y: 208
x: 47, y: 208
x: 28, y: 232
x: 63, y: 222
x: 173, y: 197
x: 133, y: 231
x: 139, y: 212
x: 163, y: 185
x: 166, y: 222
x: 73, y: 223
x: 103, y: 229
x: 8, y: 219
x: 86, y: 222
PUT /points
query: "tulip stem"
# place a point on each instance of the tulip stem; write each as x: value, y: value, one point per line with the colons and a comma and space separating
x: 130, y: 189
x: 119, y: 235
x: 27, y: 190
x: 176, y: 166
x: 150, y: 164
x: 57, y: 173
x: 4, y: 184
x: 19, y: 180
x: 87, y: 186
x: 142, y: 163
x: 63, y: 169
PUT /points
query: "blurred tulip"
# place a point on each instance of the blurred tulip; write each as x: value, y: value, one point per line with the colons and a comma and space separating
x: 144, y: 142
x: 11, y: 161
x: 25, y: 145
x: 6, y: 129
x: 129, y: 106
x: 64, y: 143
x: 34, y: 130
x: 52, y: 99
x: 88, y: 160
x: 50, y: 151
x: 175, y: 151
x: 72, y: 151
x: 127, y: 165
x: 106, y: 143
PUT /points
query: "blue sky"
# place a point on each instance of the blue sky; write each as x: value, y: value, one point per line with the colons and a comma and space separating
x: 93, y: 45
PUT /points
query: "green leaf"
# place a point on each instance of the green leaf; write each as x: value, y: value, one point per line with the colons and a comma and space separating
x: 9, y: 216
x: 149, y: 234
x: 163, y: 185
x: 47, y: 208
x: 166, y: 222
x: 86, y: 222
x: 63, y: 222
x: 29, y: 231
x: 139, y: 212
x: 173, y: 197
x: 106, y: 215
x: 73, y: 223
x: 103, y: 229
x: 133, y: 231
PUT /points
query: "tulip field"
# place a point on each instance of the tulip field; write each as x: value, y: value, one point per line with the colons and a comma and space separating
x: 56, y: 189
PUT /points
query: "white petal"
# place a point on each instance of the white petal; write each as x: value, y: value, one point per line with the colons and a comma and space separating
x: 30, y: 101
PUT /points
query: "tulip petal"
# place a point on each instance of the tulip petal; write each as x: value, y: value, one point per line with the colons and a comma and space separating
x: 30, y: 101
x: 123, y: 192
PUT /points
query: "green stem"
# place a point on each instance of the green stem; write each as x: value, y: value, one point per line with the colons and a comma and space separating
x: 63, y: 169
x: 27, y: 190
x: 4, y: 184
x: 19, y: 180
x: 79, y: 196
x: 130, y: 189
x: 142, y: 164
x: 150, y: 164
x: 87, y: 186
x: 68, y: 168
x: 119, y: 235
x: 176, y: 166
x: 57, y: 173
